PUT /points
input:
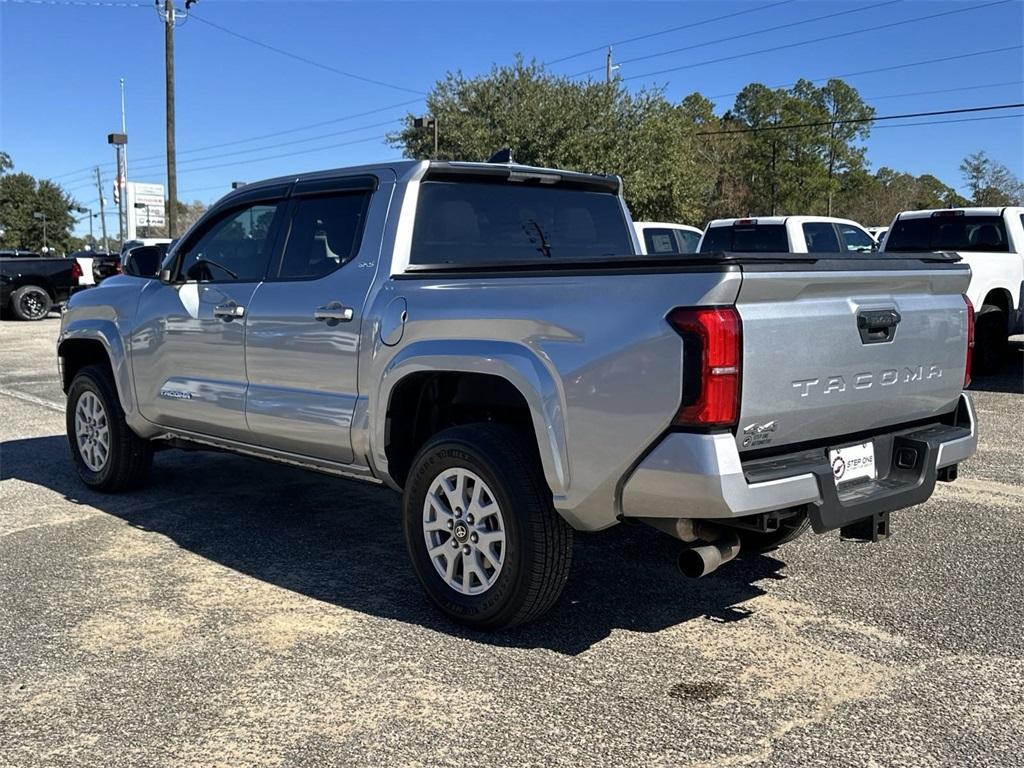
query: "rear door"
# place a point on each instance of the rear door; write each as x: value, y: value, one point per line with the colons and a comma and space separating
x: 188, y: 346
x: 848, y: 345
x: 302, y: 345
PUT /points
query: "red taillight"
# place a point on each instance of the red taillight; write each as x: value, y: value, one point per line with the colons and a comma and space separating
x: 76, y: 271
x: 970, y: 341
x: 714, y: 336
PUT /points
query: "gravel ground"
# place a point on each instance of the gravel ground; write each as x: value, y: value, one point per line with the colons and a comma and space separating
x: 238, y: 613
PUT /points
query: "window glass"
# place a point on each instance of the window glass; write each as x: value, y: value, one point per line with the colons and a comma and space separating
x: 821, y: 237
x: 324, y: 234
x: 949, y: 233
x: 660, y: 241
x: 856, y: 239
x: 236, y: 248
x: 746, y: 238
x: 690, y: 240
x: 474, y: 222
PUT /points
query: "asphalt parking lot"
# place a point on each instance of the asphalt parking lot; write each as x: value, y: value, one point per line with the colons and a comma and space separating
x: 237, y: 613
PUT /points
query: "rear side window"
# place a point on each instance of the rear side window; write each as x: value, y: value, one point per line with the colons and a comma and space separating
x: 477, y: 222
x: 820, y: 237
x: 948, y: 233
x: 746, y: 238
x: 324, y: 234
x: 660, y: 241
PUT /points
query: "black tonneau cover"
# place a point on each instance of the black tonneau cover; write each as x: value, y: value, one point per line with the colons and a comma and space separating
x: 695, y: 261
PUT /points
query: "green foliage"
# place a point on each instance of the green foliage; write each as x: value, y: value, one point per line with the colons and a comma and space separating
x: 556, y: 122
x: 21, y: 196
x: 875, y: 200
x: 6, y: 163
x: 991, y: 183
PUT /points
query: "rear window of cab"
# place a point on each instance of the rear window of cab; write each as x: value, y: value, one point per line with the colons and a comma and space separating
x: 949, y: 233
x: 746, y: 238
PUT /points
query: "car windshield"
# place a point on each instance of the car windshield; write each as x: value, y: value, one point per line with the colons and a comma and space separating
x: 949, y: 233
x: 479, y: 222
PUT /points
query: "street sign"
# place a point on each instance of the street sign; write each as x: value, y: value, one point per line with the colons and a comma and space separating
x: 145, y: 206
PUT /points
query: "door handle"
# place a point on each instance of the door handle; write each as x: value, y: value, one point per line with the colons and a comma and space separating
x: 333, y: 313
x: 229, y: 311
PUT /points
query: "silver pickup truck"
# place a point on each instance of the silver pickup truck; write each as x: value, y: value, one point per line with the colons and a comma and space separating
x: 489, y: 340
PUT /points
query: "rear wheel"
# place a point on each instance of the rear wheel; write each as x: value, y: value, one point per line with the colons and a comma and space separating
x: 30, y: 302
x: 991, y: 339
x: 106, y: 453
x: 485, y: 541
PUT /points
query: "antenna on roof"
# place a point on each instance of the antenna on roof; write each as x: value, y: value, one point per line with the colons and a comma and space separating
x: 502, y: 156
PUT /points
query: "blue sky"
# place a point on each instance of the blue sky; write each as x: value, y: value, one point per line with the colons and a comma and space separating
x: 60, y: 64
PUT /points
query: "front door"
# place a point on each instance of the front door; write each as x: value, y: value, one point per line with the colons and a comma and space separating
x: 188, y: 346
x: 302, y: 344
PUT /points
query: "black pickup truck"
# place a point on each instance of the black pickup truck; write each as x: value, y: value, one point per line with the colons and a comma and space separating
x: 30, y: 284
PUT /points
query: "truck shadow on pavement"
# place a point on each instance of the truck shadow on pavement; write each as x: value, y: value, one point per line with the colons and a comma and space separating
x: 1010, y: 379
x: 341, y: 542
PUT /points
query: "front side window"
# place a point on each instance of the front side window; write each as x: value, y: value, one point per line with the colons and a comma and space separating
x: 234, y: 249
x: 480, y: 222
x: 821, y: 237
x: 324, y: 234
x: 856, y: 239
x: 660, y: 241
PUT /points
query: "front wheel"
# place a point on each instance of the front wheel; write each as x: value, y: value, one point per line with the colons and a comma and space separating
x: 485, y: 541
x: 106, y: 453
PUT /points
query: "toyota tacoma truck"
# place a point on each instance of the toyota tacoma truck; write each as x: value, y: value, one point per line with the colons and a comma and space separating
x: 991, y: 242
x: 489, y: 340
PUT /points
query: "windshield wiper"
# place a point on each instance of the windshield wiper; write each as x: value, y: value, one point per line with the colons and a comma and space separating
x: 545, y: 246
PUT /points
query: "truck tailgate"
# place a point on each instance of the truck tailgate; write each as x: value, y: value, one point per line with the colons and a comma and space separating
x: 842, y: 347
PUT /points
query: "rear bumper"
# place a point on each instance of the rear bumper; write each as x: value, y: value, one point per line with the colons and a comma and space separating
x: 702, y: 476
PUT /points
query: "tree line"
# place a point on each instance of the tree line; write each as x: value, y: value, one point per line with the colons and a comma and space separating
x: 775, y: 151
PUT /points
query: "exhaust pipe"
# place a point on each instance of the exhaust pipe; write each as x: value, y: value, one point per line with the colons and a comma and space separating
x: 698, y: 561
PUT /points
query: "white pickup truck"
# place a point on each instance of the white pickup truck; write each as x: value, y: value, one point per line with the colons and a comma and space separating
x: 786, y: 234
x: 991, y: 241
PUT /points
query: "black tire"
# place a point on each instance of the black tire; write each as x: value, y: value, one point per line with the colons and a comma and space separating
x: 990, y: 340
x: 538, y: 542
x: 752, y: 542
x: 129, y: 457
x: 30, y: 302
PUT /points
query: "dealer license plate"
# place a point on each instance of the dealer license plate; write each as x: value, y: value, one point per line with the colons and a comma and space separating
x: 853, y: 462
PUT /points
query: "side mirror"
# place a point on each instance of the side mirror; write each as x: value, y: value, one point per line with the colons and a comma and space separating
x: 143, y: 261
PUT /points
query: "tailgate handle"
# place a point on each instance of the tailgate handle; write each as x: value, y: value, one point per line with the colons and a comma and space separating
x: 878, y: 326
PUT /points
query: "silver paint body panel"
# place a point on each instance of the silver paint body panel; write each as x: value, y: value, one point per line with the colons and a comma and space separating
x: 591, y: 352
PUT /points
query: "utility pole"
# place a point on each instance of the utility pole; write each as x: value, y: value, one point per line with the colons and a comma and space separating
x: 103, y: 218
x: 608, y: 66
x: 172, y: 164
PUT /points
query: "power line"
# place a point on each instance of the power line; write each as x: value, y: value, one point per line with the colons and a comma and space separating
x: 754, y: 33
x: 79, y: 3
x: 822, y: 123
x: 287, y: 154
x: 667, y: 31
x: 233, y: 142
x: 947, y: 122
x: 976, y: 87
x: 887, y: 69
x: 801, y: 43
x: 151, y: 166
x: 304, y: 59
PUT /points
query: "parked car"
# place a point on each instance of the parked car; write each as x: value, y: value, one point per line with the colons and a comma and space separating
x: 488, y: 340
x: 877, y: 233
x: 96, y: 266
x: 658, y: 237
x: 991, y: 241
x: 781, y: 234
x: 30, y: 284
